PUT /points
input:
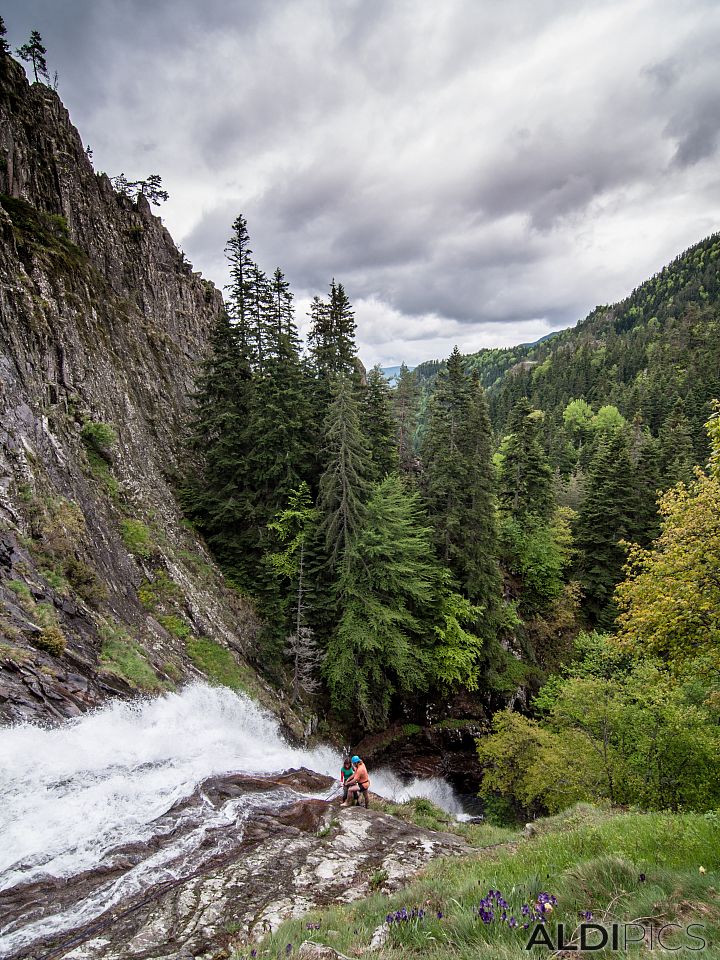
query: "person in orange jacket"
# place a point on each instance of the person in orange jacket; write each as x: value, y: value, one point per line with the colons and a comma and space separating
x: 360, y: 780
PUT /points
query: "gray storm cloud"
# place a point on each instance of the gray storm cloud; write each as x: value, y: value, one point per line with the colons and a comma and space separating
x: 474, y: 173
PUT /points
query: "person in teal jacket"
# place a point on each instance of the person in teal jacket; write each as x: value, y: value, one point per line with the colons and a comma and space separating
x: 346, y: 771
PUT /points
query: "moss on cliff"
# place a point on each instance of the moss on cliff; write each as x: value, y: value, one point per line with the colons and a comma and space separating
x: 37, y: 232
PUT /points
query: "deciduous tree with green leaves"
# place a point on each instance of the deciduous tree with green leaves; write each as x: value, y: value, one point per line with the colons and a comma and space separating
x: 670, y: 601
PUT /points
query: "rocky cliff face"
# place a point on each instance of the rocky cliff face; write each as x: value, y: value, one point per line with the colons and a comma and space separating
x: 102, y: 324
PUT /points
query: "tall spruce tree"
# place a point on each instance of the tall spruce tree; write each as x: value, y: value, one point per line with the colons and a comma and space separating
x: 216, y: 496
x: 344, y: 483
x: 331, y: 337
x: 525, y: 477
x: 261, y: 314
x: 677, y: 449
x: 239, y: 256
x: 605, y: 519
x: 390, y: 593
x: 280, y: 417
x: 458, y: 482
x: 405, y: 405
x: 379, y: 424
x: 283, y: 312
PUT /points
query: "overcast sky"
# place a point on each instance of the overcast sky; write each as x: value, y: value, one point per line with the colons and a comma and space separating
x: 474, y: 171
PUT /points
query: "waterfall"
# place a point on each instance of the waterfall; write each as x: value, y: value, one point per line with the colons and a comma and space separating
x: 70, y: 795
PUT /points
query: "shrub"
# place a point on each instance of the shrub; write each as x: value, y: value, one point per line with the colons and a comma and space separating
x: 55, y: 579
x: 99, y: 437
x: 52, y: 640
x: 85, y: 582
x: 378, y: 879
x: 162, y: 589
x: 138, y: 539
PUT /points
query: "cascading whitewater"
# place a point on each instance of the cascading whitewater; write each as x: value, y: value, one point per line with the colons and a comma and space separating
x: 71, y: 795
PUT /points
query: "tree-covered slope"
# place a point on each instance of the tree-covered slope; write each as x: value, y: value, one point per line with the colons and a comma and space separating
x: 654, y: 355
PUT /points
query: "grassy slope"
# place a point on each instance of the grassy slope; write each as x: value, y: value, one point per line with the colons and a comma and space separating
x: 591, y: 859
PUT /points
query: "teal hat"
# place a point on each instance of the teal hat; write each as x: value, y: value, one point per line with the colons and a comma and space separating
x: 356, y: 759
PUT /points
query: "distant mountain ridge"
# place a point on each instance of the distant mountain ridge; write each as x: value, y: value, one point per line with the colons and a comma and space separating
x: 655, y: 354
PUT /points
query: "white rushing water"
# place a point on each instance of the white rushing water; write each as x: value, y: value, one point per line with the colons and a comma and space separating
x: 71, y: 794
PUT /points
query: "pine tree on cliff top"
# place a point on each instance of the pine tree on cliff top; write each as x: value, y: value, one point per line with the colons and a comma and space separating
x: 4, y: 45
x: 34, y: 52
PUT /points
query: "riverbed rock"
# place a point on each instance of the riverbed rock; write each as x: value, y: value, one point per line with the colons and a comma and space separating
x: 278, y: 857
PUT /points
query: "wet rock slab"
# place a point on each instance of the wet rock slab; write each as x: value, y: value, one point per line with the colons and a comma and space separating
x: 291, y: 854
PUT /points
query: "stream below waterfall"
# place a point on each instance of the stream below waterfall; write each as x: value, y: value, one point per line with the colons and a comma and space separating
x: 98, y: 810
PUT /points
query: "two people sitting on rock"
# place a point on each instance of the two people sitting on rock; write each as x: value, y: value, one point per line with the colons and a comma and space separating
x: 355, y: 782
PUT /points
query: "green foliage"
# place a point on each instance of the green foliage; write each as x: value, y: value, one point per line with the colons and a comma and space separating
x: 41, y: 234
x: 122, y: 655
x: 411, y: 729
x: 379, y: 425
x: 611, y: 728
x: 100, y: 470
x: 406, y: 402
x: 577, y: 416
x: 217, y: 663
x: 670, y: 600
x: 538, y: 552
x: 378, y: 880
x: 388, y: 588
x: 138, y: 538
x: 459, y: 487
x: 605, y: 521
x: 85, y: 582
x: 344, y: 483
x: 159, y: 591
x: 51, y: 639
x: 609, y: 420
x: 524, y: 474
x: 21, y: 590
x: 99, y: 437
x: 175, y: 625
x: 292, y: 527
x: 455, y: 660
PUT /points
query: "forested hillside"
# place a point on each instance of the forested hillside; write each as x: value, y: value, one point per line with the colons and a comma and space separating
x: 457, y: 532
x: 655, y: 355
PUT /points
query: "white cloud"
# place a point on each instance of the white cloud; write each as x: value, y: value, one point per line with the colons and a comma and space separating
x: 474, y: 173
